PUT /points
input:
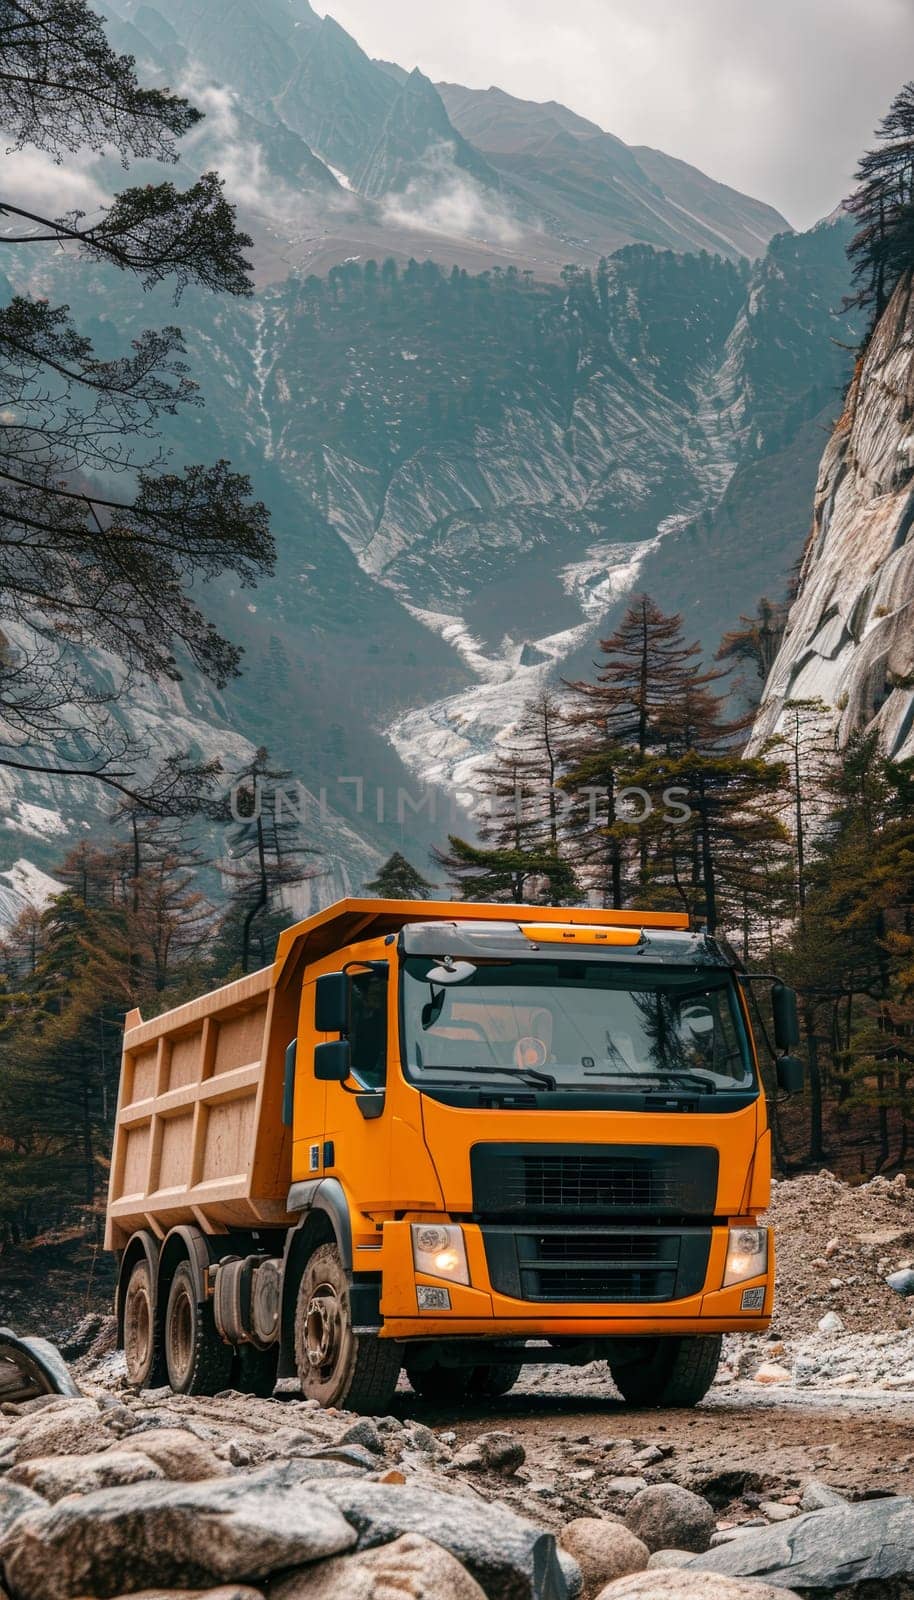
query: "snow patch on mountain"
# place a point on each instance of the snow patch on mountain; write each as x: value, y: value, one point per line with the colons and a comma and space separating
x: 23, y: 885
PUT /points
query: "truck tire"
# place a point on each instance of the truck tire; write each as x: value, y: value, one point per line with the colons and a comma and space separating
x: 197, y: 1360
x: 337, y: 1366
x: 672, y: 1371
x: 141, y: 1339
x: 494, y: 1379
x: 445, y: 1386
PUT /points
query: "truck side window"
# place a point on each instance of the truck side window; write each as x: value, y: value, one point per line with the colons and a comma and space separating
x: 368, y: 1028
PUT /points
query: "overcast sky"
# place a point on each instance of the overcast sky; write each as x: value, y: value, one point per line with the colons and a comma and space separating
x: 776, y: 97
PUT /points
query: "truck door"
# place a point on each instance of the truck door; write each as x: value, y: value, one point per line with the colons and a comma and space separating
x: 358, y: 1131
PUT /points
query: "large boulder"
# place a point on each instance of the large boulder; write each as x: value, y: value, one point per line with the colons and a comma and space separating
x: 62, y: 1427
x: 178, y: 1534
x: 410, y: 1568
x: 864, y: 1550
x: 510, y: 1558
x: 179, y: 1453
x: 55, y: 1476
x: 16, y: 1501
x: 665, y: 1516
x: 691, y: 1586
x: 603, y: 1549
x: 225, y: 1591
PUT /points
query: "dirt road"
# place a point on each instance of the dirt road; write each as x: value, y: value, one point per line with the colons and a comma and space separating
x: 745, y: 1444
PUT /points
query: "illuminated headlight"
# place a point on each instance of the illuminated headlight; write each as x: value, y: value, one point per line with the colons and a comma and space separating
x: 747, y: 1255
x: 439, y: 1252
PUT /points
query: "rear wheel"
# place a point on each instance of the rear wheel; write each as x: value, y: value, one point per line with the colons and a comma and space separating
x: 496, y: 1378
x: 668, y: 1372
x: 336, y: 1365
x: 140, y: 1334
x: 198, y: 1362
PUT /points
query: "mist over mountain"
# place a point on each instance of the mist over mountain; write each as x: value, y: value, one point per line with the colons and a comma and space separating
x: 475, y: 440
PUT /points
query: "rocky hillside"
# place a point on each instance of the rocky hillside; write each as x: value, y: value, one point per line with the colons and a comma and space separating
x: 392, y: 164
x: 467, y: 475
x: 850, y: 636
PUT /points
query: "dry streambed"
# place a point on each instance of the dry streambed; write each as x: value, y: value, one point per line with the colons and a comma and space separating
x: 795, y: 1476
x: 115, y: 1494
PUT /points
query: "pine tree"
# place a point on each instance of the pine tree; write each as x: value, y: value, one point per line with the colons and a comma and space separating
x: 76, y: 423
x: 519, y: 854
x: 398, y: 879
x: 266, y: 858
x: 882, y: 249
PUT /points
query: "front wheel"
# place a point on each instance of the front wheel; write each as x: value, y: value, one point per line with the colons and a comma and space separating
x: 337, y: 1366
x: 674, y: 1371
x: 497, y: 1378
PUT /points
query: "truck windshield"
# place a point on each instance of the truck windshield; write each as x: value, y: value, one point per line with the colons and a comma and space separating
x: 574, y: 1025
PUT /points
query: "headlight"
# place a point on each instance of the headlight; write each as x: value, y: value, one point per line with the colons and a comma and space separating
x: 747, y: 1255
x: 440, y: 1252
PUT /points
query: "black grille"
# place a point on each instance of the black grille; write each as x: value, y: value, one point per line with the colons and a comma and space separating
x: 570, y: 1265
x: 643, y: 1181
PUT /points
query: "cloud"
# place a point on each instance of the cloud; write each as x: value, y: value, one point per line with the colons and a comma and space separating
x: 239, y: 159
x: 440, y: 198
x: 30, y: 179
x: 777, y: 99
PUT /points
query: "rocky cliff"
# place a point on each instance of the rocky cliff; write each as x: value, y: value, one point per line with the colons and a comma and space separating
x: 850, y: 636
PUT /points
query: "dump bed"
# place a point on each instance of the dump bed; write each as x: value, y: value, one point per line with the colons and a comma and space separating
x: 199, y: 1134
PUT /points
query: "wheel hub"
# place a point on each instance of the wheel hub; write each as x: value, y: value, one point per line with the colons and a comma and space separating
x: 323, y: 1327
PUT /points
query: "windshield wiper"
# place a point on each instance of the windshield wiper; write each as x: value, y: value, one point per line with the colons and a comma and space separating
x: 697, y: 1078
x: 529, y: 1075
x: 655, y: 1080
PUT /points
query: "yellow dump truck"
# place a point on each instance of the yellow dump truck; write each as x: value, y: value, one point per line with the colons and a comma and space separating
x: 449, y: 1138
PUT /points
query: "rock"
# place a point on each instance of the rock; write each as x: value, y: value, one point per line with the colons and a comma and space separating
x: 776, y: 1511
x: 409, y: 1568
x: 670, y: 1558
x: 189, y: 1534
x: 625, y: 1486
x: 510, y: 1558
x: 55, y: 1476
x: 830, y: 1323
x: 689, y: 1585
x: 603, y: 1549
x: 771, y: 1372
x: 15, y: 1502
x: 422, y: 1438
x: 181, y: 1455
x: 865, y: 1549
x: 648, y: 1457
x: 818, y: 1496
x: 666, y: 1516
x: 571, y: 1572
x: 226, y: 1591
x: 491, y: 1452
x: 61, y: 1428
x: 902, y: 1282
x: 366, y: 1433
x: 348, y: 1455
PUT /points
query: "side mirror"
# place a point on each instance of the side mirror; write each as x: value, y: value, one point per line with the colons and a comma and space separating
x: 791, y: 1074
x: 331, y: 1003
x: 332, y: 1061
x: 288, y: 1084
x: 786, y: 1018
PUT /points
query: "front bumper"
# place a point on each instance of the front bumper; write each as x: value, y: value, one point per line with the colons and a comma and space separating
x: 483, y: 1308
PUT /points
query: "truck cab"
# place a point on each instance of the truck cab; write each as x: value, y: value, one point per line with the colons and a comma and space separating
x: 505, y: 1134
